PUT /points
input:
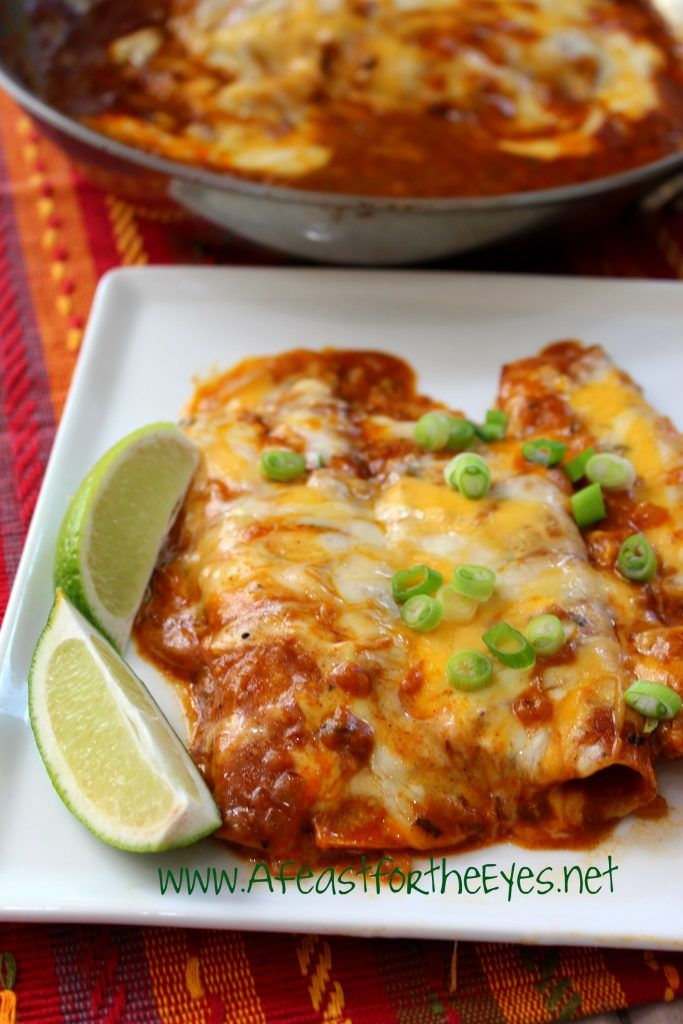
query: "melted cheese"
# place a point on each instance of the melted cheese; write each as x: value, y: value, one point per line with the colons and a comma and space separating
x: 610, y: 412
x: 382, y: 743
x: 511, y: 533
x: 253, y: 73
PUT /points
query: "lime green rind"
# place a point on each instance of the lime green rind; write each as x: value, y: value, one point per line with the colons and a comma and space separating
x: 70, y: 574
x: 66, y: 575
x: 174, y: 843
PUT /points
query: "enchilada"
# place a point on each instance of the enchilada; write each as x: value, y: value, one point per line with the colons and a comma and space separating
x: 321, y: 716
x: 577, y: 394
x: 420, y: 98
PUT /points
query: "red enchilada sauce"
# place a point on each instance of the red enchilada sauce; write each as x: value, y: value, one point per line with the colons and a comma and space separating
x: 410, y: 150
x: 263, y: 797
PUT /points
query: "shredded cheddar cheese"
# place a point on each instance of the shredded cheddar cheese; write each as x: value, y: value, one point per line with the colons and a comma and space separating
x: 319, y: 718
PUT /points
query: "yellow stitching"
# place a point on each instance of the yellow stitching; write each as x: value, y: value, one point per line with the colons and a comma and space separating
x: 8, y: 1007
x: 125, y: 230
x: 305, y: 951
x: 47, y: 209
x: 193, y: 978
x: 321, y: 976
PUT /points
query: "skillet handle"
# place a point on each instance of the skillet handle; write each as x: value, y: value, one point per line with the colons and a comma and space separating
x: 665, y: 193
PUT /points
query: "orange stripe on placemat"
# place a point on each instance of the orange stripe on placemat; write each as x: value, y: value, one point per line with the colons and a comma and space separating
x: 126, y: 232
x: 227, y: 976
x: 513, y: 974
x: 50, y: 223
x: 167, y: 956
x: 598, y: 988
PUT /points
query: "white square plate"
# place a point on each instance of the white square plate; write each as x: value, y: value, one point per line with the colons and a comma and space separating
x: 151, y: 331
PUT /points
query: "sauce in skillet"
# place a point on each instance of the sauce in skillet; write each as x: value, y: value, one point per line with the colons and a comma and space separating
x: 468, y: 99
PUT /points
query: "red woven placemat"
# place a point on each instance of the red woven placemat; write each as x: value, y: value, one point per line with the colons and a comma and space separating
x: 58, y: 234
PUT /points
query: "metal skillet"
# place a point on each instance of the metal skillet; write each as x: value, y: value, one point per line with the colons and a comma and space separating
x: 319, y: 226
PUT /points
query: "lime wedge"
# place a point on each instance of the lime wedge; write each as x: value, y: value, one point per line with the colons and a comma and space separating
x: 111, y: 754
x: 116, y: 523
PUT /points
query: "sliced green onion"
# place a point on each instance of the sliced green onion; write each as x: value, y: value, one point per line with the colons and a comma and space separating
x: 495, y: 426
x: 650, y: 725
x: 282, y: 465
x: 474, y: 581
x: 546, y: 634
x: 461, y: 434
x: 544, y: 451
x: 411, y: 582
x: 577, y: 467
x: 438, y: 430
x: 432, y: 431
x: 496, y: 417
x: 468, y: 474
x: 588, y: 506
x: 636, y: 559
x: 612, y: 471
x: 469, y: 670
x: 509, y: 646
x: 454, y: 606
x: 422, y: 613
x: 654, y: 700
x: 488, y: 432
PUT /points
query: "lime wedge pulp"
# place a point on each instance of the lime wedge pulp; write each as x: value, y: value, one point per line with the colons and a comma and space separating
x: 111, y: 754
x: 116, y: 523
